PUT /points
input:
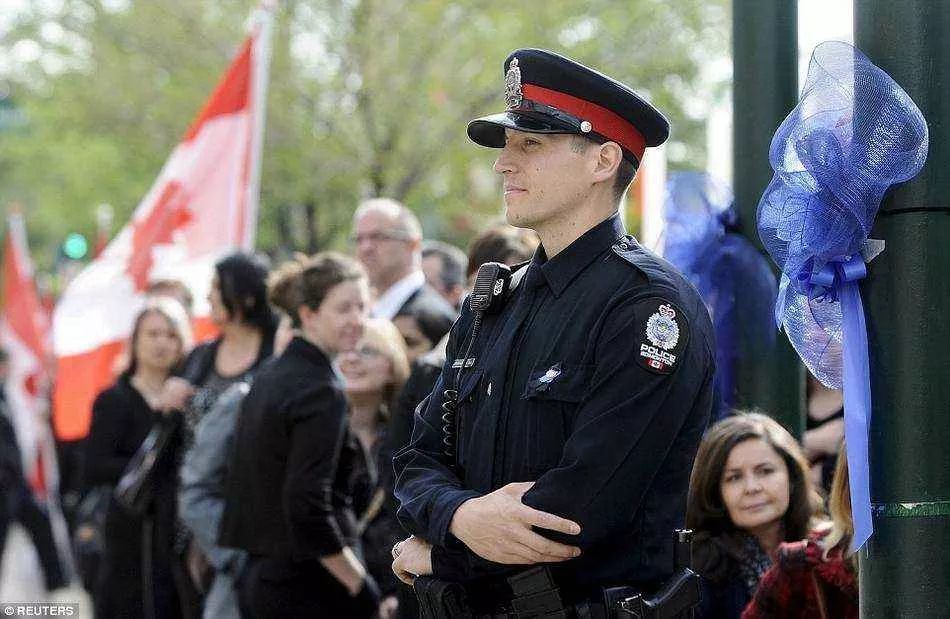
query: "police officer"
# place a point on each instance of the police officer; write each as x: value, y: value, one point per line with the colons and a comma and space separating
x: 582, y: 399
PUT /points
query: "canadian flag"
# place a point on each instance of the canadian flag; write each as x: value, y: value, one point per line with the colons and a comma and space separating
x: 202, y: 206
x: 24, y: 332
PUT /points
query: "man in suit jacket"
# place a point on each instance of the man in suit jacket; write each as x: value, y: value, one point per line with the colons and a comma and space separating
x: 388, y: 241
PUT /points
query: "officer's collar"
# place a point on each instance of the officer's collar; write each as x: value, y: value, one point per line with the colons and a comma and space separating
x: 560, y: 270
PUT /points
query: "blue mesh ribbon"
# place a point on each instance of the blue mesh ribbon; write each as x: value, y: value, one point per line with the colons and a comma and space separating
x: 732, y: 277
x: 853, y: 134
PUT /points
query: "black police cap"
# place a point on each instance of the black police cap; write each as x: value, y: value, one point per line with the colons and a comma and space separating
x: 548, y: 93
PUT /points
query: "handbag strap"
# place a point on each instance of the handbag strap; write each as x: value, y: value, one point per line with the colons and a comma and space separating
x: 819, y: 595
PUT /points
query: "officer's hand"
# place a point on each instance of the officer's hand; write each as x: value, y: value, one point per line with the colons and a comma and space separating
x: 412, y: 557
x: 497, y: 527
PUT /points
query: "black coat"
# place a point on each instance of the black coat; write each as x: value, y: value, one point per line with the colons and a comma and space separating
x: 289, y: 487
x: 121, y: 419
x: 427, y: 299
x: 11, y: 464
x: 595, y: 380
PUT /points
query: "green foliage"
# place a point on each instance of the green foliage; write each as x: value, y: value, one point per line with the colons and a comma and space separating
x: 366, y: 97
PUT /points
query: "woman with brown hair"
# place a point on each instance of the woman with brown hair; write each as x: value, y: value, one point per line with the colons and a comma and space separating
x: 813, y: 577
x: 289, y: 480
x: 749, y: 492
x: 134, y: 581
x: 375, y: 372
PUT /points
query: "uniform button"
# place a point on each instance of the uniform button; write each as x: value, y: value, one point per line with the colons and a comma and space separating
x: 624, y: 246
x: 489, y: 389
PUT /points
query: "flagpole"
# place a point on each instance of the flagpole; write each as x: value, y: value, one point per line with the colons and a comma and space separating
x: 264, y: 17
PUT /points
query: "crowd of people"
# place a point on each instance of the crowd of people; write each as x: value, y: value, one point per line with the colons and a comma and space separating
x: 277, y: 480
x: 301, y: 463
x: 276, y: 475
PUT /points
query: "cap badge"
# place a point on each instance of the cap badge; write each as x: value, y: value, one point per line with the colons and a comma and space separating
x: 513, y: 93
x: 586, y: 127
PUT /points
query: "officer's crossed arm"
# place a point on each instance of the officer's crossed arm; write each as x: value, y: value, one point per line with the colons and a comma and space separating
x: 496, y: 526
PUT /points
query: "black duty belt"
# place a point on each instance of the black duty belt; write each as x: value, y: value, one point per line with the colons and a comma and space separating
x: 534, y: 593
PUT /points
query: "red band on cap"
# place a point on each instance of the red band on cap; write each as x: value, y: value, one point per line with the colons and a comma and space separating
x: 602, y: 120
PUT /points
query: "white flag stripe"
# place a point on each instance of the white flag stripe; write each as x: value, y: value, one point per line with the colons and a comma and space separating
x: 101, y: 302
x: 201, y: 207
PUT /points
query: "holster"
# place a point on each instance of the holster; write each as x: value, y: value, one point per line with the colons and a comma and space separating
x: 440, y: 599
x: 675, y: 600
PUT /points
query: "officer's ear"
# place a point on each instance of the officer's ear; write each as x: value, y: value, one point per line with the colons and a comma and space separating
x: 609, y: 158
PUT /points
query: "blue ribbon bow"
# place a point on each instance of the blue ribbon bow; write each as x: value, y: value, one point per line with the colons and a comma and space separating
x: 853, y: 134
x: 824, y: 284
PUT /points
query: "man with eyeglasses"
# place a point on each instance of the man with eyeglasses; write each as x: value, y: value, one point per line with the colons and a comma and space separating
x: 388, y: 241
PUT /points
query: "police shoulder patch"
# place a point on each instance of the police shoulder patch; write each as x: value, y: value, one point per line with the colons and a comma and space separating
x: 662, y: 335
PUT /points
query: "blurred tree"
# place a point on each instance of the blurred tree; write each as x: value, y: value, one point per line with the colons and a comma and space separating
x: 367, y: 97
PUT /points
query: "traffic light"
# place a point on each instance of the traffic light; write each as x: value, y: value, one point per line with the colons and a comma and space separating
x: 75, y: 247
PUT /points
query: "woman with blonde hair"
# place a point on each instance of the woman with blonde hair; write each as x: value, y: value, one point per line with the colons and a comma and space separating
x: 132, y: 580
x: 375, y: 372
x: 814, y: 577
x: 749, y: 492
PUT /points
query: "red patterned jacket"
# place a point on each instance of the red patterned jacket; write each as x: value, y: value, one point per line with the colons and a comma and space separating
x: 801, y: 582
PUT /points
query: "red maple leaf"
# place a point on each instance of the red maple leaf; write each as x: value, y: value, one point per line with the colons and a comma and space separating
x: 31, y: 384
x: 169, y: 214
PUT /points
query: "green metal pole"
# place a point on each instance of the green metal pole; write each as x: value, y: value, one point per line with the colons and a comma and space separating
x: 765, y: 88
x: 905, y: 567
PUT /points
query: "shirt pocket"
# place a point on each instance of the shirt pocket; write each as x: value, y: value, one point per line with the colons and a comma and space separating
x: 554, y: 391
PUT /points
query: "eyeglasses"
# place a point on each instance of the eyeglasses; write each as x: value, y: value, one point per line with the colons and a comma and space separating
x: 368, y: 352
x: 379, y: 237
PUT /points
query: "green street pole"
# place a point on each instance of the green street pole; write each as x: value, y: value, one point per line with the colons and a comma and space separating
x: 769, y: 376
x: 905, y: 567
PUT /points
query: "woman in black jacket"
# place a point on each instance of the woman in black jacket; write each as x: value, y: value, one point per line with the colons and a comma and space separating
x: 134, y: 580
x: 288, y: 494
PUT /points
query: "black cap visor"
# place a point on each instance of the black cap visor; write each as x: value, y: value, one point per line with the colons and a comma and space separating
x: 490, y: 130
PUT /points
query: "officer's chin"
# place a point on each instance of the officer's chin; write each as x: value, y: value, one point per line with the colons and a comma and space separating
x: 517, y: 217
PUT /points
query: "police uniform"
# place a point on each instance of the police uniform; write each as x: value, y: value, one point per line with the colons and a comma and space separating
x: 595, y: 379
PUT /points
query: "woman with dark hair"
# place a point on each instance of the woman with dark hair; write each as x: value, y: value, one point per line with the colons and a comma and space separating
x: 423, y: 328
x: 239, y: 309
x: 814, y: 577
x: 289, y: 489
x: 749, y: 492
x: 137, y: 549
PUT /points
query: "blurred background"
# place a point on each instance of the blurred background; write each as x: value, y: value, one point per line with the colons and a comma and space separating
x: 365, y: 98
